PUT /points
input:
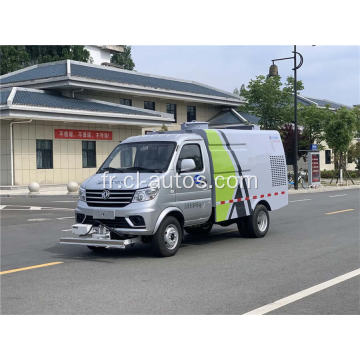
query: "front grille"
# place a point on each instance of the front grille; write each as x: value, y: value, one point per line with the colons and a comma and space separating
x: 118, y: 222
x: 117, y: 198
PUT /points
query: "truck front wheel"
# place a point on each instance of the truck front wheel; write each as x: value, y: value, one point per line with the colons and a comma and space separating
x: 168, y: 237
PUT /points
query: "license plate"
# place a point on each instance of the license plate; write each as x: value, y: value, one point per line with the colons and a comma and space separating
x: 104, y: 214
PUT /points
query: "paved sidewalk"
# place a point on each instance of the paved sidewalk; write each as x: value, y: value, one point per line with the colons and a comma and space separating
x: 324, y: 189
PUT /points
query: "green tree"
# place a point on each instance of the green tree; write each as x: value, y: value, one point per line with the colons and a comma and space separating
x: 287, y: 133
x: 237, y: 91
x: 124, y: 59
x: 311, y: 120
x: 356, y: 111
x: 339, y: 130
x: 13, y: 58
x: 17, y: 57
x: 267, y: 99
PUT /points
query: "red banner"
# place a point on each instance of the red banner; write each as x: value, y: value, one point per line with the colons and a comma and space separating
x: 82, y: 134
x: 315, y: 164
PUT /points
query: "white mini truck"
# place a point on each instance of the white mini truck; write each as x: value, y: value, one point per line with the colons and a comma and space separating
x: 152, y: 187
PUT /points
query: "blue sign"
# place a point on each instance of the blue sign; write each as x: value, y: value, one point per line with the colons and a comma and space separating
x: 314, y: 147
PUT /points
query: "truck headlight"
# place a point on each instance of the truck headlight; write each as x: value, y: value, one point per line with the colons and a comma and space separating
x: 82, y: 194
x: 145, y: 194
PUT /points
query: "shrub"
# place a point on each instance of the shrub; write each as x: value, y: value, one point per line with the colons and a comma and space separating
x: 328, y: 174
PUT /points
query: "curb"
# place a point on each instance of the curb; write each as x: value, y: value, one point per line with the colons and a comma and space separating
x: 323, y: 189
x: 29, y: 195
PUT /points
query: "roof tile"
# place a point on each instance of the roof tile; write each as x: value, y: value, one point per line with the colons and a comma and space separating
x: 39, y: 72
x: 41, y: 99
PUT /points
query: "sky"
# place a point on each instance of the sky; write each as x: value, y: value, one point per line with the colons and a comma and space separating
x: 328, y: 72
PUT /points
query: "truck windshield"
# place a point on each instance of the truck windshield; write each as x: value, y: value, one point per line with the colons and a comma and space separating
x: 149, y: 156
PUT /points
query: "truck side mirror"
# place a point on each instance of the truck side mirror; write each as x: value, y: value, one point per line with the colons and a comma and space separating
x: 187, y: 165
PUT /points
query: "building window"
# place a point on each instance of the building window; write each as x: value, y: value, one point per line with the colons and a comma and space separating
x: 149, y: 105
x: 171, y: 109
x: 127, y: 102
x: 191, y: 113
x: 89, y: 154
x: 191, y: 151
x: 44, y: 154
x: 327, y: 156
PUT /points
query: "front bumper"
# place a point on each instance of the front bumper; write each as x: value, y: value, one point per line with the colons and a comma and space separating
x: 148, y: 211
x: 108, y: 243
x: 100, y: 236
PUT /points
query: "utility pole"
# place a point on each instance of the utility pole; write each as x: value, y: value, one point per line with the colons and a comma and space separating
x: 273, y: 71
x: 296, y: 183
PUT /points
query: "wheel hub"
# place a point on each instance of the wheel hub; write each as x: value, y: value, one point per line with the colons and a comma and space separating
x: 262, y: 221
x: 171, y: 237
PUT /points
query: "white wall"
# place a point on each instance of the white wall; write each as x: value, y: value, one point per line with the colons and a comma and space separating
x: 204, y: 112
x: 99, y: 55
x: 67, y: 154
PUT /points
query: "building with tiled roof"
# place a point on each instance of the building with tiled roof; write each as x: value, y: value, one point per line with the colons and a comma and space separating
x: 60, y: 120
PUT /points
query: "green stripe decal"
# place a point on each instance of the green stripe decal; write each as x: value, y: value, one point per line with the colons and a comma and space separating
x: 223, y: 166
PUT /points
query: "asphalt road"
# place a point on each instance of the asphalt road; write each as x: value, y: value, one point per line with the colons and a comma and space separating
x: 221, y: 273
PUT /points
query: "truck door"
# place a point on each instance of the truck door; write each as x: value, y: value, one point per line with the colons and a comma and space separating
x: 193, y: 188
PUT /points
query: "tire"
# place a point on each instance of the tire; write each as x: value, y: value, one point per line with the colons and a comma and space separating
x: 259, y: 221
x: 168, y: 237
x: 199, y: 230
x: 243, y: 226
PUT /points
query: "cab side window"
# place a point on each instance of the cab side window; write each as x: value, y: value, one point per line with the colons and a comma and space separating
x: 191, y: 151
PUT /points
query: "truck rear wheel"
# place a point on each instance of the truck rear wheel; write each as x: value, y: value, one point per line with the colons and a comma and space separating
x: 243, y: 226
x: 256, y: 225
x: 168, y: 237
x: 259, y: 221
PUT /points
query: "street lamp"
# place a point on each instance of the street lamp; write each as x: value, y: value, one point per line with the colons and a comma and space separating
x: 273, y: 71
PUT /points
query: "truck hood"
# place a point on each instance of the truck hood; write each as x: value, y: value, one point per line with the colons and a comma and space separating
x: 120, y: 181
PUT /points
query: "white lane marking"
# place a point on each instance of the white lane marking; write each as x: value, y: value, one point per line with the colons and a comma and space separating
x: 35, y: 208
x: 299, y: 200
x: 39, y: 219
x: 337, y: 195
x: 65, y: 217
x: 32, y: 208
x: 51, y: 208
x: 66, y: 230
x: 16, y: 209
x: 26, y: 207
x: 302, y: 294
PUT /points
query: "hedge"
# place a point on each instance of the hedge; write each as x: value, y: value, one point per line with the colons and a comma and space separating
x: 328, y: 174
